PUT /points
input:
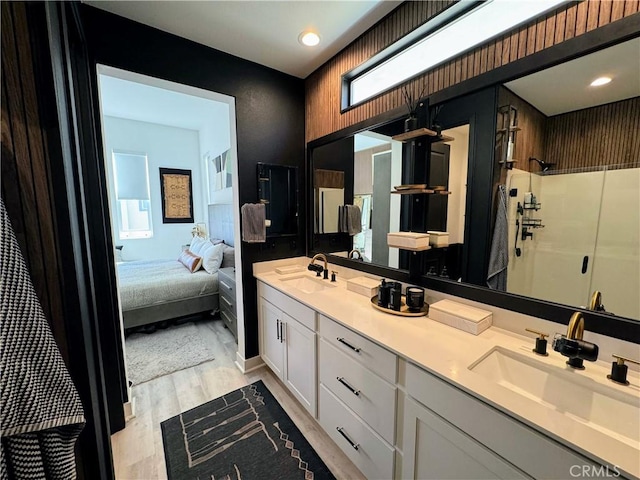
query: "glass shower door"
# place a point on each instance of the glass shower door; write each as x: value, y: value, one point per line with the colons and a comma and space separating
x: 565, y: 247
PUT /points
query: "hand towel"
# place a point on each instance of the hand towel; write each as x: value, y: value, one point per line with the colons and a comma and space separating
x: 41, y: 414
x: 353, y: 219
x: 254, y: 229
x: 499, y: 256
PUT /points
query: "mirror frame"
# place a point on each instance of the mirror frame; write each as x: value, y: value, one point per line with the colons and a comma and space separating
x: 601, y: 323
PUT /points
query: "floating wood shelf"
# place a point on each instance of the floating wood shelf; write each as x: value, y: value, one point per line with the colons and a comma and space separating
x: 421, y: 132
x: 510, y: 129
x: 413, y: 191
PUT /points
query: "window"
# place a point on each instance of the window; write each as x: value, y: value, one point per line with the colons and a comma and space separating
x: 131, y: 178
x: 484, y: 21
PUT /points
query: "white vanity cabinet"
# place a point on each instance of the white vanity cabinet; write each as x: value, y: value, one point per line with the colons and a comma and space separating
x: 447, y: 433
x: 391, y: 415
x: 357, y: 397
x: 288, y: 343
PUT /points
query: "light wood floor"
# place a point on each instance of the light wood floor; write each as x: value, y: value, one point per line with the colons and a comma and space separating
x: 137, y: 450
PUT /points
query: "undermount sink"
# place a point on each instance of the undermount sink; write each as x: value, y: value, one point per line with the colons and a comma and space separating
x: 569, y: 392
x: 308, y: 284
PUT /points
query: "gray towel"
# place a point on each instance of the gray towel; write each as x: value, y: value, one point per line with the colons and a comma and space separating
x: 254, y: 229
x: 499, y: 257
x: 41, y: 414
x: 354, y: 219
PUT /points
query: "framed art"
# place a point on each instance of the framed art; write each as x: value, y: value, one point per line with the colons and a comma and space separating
x: 177, y: 195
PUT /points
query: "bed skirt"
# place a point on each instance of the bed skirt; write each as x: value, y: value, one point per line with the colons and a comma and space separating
x: 168, y: 310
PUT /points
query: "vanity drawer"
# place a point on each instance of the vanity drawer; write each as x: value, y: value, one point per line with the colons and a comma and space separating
x: 368, y: 451
x: 297, y: 310
x: 373, y: 356
x: 228, y: 303
x: 230, y: 321
x: 364, y: 392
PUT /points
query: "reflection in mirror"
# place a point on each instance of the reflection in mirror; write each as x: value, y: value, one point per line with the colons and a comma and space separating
x: 573, y: 215
x: 278, y: 190
x: 377, y: 171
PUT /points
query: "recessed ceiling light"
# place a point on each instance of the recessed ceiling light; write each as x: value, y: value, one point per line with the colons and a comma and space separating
x: 310, y: 39
x: 600, y: 81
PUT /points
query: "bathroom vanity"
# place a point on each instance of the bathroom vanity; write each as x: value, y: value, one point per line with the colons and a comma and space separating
x: 407, y: 397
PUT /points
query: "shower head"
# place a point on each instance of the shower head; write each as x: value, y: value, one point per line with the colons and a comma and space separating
x: 543, y: 165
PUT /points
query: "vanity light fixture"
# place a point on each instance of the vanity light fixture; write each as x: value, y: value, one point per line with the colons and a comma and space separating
x: 309, y: 39
x: 598, y: 82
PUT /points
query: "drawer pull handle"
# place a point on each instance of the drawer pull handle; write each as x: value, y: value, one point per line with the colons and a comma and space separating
x: 341, y: 432
x: 278, y: 329
x: 353, y: 390
x: 343, y: 341
x: 225, y: 285
x: 227, y: 301
x: 281, y: 332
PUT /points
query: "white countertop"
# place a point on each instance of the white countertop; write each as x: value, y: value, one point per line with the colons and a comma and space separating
x: 447, y: 353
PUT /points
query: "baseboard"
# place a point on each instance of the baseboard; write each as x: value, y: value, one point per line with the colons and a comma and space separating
x: 248, y: 365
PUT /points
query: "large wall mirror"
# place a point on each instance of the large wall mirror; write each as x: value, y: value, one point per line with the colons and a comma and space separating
x: 571, y: 185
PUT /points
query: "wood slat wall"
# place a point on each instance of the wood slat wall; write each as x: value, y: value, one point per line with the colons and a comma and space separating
x: 25, y: 175
x: 323, y: 92
x: 604, y: 135
x: 530, y: 140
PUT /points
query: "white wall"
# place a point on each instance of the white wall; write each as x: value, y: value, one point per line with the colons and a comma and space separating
x: 458, y: 164
x: 520, y: 270
x: 165, y: 146
x: 394, y: 207
x: 616, y: 266
x: 214, y: 140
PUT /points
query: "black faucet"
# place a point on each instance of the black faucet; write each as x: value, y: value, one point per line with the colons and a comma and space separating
x: 319, y: 268
x: 573, y: 346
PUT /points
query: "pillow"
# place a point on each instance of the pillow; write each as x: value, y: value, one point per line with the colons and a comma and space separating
x: 228, y: 257
x: 191, y: 261
x: 197, y: 244
x: 212, y: 257
x: 216, y: 241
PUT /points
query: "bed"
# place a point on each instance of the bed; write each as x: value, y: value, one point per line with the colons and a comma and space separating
x: 156, y: 290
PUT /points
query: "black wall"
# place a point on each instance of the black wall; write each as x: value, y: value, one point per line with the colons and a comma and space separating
x: 269, y: 116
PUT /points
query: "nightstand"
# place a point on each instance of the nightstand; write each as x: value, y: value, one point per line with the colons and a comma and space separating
x: 227, y: 289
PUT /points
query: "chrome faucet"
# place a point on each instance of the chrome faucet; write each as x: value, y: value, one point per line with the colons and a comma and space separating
x: 317, y: 268
x: 353, y: 252
x: 573, y: 346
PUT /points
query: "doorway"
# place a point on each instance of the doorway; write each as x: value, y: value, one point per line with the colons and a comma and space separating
x: 170, y: 157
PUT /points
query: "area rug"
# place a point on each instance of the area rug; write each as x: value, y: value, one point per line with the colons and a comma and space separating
x: 152, y: 355
x: 243, y: 435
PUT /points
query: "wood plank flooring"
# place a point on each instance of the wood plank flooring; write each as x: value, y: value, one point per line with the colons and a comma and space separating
x: 137, y: 450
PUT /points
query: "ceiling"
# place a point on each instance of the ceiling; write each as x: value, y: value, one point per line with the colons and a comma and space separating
x: 124, y: 98
x: 565, y: 87
x: 266, y: 31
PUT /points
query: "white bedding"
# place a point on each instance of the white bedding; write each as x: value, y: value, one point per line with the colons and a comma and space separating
x: 152, y: 282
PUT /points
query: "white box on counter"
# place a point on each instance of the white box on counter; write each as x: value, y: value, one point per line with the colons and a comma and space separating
x: 438, y: 239
x: 408, y: 240
x: 364, y: 286
x: 463, y: 317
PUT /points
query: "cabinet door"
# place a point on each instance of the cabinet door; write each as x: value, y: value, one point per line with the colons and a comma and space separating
x: 435, y: 449
x: 271, y: 343
x: 300, y: 363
